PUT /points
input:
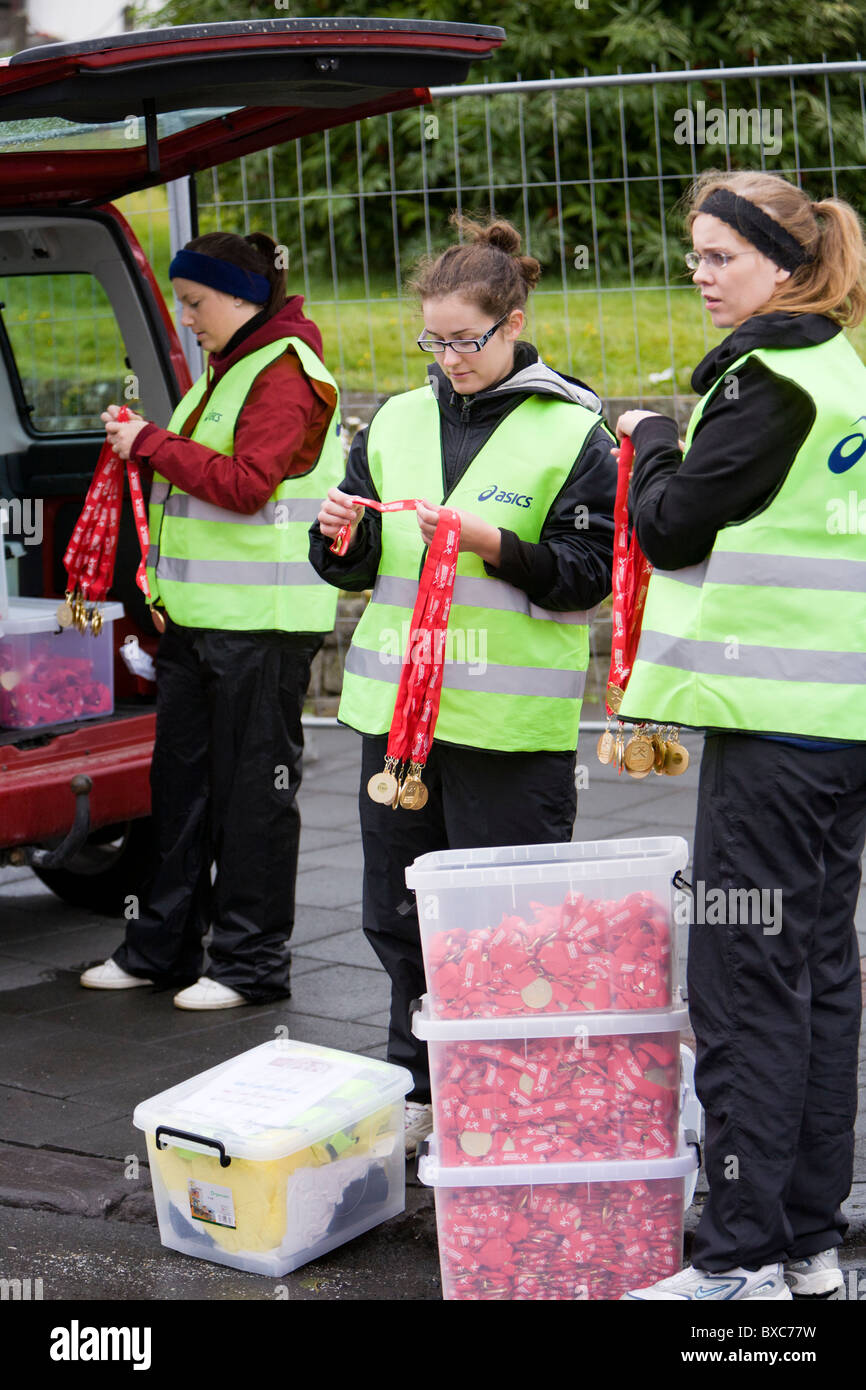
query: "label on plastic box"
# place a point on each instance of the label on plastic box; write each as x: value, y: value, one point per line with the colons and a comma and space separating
x: 212, y: 1204
x: 260, y: 1092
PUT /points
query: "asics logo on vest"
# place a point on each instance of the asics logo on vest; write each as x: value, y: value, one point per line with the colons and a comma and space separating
x: 842, y: 458
x: 516, y: 499
x: 214, y: 415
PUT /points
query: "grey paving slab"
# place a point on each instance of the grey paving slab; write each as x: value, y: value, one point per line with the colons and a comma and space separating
x: 346, y: 948
x: 329, y: 811
x: 329, y: 888
x: 19, y: 974
x: 135, y: 1016
x: 315, y: 838
x: 344, y: 1034
x: 382, y: 1019
x: 74, y: 948
x: 29, y: 1118
x: 57, y: 1060
x: 346, y: 992
x: 313, y: 921
x: 349, y: 855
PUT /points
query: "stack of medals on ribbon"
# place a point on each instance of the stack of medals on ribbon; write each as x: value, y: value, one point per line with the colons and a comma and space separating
x: 420, y: 689
x: 651, y: 747
x: 92, y: 549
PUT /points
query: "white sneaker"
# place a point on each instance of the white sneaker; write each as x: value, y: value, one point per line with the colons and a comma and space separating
x: 109, y: 975
x: 815, y: 1276
x: 208, y: 994
x: 765, y: 1283
x: 418, y: 1124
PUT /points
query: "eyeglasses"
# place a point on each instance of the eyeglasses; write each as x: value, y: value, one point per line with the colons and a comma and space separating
x: 716, y: 260
x: 459, y: 344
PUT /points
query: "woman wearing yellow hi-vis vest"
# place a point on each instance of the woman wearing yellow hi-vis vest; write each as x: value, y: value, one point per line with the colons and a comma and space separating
x: 755, y: 630
x: 239, y: 474
x: 520, y: 451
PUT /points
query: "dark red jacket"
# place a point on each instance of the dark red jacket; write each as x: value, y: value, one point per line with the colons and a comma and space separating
x: 279, y: 432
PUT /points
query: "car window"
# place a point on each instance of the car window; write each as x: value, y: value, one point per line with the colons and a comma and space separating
x: 67, y: 349
x: 52, y: 133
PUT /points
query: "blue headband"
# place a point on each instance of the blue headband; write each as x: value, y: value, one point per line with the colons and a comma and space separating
x: 220, y: 275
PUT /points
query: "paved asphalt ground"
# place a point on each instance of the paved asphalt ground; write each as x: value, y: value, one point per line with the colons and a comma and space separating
x: 74, y: 1063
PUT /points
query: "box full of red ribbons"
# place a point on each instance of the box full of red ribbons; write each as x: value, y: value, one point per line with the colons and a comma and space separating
x: 564, y: 1089
x: 558, y: 1231
x: 586, y: 927
x: 53, y: 675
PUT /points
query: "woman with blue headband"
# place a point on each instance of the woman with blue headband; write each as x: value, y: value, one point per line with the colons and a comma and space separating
x: 238, y: 475
x: 755, y: 630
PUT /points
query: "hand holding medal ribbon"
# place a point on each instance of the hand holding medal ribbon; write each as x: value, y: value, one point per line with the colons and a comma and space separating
x: 650, y: 749
x: 90, y: 555
x: 417, y: 705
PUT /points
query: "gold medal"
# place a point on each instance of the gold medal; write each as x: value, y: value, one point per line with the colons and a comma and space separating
x: 413, y: 793
x: 659, y: 750
x: 676, y: 759
x: 382, y: 787
x: 615, y: 697
x: 639, y: 755
x: 96, y: 623
x: 619, y: 751
x: 605, y: 747
x: 64, y: 613
x: 157, y: 618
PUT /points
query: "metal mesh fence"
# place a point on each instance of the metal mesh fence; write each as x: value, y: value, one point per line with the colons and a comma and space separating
x: 590, y: 170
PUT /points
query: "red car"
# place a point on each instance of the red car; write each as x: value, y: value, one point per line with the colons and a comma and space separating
x: 82, y: 123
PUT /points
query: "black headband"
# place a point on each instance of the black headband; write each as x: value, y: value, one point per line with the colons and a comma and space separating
x: 220, y: 275
x: 764, y: 232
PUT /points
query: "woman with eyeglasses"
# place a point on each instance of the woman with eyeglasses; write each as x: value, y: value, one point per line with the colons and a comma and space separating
x: 520, y: 451
x: 755, y: 630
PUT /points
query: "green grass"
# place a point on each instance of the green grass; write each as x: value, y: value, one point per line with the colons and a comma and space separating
x: 611, y: 338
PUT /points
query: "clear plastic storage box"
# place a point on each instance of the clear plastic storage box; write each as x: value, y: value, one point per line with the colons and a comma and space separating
x: 53, y: 675
x: 559, y: 1231
x: 275, y: 1157
x: 561, y: 928
x: 567, y: 1089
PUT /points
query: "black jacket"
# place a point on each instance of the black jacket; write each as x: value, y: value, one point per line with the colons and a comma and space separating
x: 751, y: 431
x: 569, y: 567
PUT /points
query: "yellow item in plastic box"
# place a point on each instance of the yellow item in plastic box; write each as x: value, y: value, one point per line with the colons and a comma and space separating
x: 258, y: 1188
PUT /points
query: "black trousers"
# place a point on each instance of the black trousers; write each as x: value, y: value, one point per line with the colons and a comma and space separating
x: 476, y: 798
x: 775, y: 1002
x: 224, y: 781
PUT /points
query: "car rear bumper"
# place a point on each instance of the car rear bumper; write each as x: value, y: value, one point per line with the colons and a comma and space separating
x: 36, y: 803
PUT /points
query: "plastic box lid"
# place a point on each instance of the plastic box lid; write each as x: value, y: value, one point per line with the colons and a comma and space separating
x: 683, y: 1163
x: 40, y: 615
x: 443, y: 1030
x: 274, y: 1100
x: 581, y: 859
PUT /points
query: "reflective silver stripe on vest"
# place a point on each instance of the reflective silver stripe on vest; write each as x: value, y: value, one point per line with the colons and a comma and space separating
x: 158, y: 493
x: 766, y: 663
x: 481, y: 676
x: 282, y: 512
x: 774, y: 571
x: 236, y: 571
x: 473, y: 593
x: 152, y: 556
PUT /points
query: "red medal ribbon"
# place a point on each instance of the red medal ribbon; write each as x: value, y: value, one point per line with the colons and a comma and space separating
x: 90, y: 555
x: 631, y: 574
x: 420, y: 690
x: 341, y: 542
